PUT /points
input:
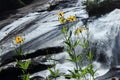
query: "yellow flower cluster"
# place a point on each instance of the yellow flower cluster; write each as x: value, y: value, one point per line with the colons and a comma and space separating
x: 71, y: 18
x: 62, y: 20
x: 60, y: 14
x: 18, y: 39
x: 79, y: 30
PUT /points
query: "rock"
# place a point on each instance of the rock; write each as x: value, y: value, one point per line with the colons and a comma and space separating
x: 37, y: 78
x: 40, y: 52
x: 101, y: 8
x: 14, y: 73
x: 113, y: 73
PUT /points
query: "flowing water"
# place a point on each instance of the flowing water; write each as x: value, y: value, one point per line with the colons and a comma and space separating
x: 42, y: 29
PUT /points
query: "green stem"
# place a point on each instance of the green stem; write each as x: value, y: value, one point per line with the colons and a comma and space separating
x: 76, y: 63
x: 54, y: 66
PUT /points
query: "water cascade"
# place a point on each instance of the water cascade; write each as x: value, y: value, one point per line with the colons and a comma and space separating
x: 42, y: 29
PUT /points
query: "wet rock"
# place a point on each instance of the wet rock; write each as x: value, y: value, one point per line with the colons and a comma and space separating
x: 113, y: 72
x: 14, y: 73
x: 40, y: 52
x: 37, y: 78
x: 101, y: 8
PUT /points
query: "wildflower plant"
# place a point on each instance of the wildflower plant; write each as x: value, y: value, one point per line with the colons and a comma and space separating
x: 23, y: 65
x: 70, y: 48
x: 18, y: 41
x: 54, y: 73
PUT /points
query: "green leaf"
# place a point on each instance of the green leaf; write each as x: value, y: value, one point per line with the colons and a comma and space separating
x: 82, y: 45
x: 72, y: 74
x: 79, y: 57
x: 68, y: 44
x: 70, y: 34
x: 57, y: 72
x: 86, y: 43
x: 63, y: 30
x: 68, y: 76
x: 71, y: 60
x: 26, y: 65
x: 91, y: 70
x: 26, y: 77
x: 68, y: 51
x: 76, y: 43
x: 19, y: 51
x: 71, y: 57
x: 51, y: 72
x: 84, y: 71
x: 90, y: 55
x: 23, y: 65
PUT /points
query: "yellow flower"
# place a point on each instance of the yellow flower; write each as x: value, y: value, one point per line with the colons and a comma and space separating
x: 60, y: 13
x: 71, y: 18
x: 62, y: 20
x: 79, y: 30
x: 18, y: 39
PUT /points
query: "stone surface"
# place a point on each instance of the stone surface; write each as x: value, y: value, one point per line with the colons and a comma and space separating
x: 41, y: 29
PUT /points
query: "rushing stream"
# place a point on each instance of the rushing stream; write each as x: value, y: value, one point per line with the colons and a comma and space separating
x: 42, y: 29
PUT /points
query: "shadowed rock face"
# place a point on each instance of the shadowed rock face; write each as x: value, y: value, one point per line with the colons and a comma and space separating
x: 102, y: 8
x: 14, y: 73
x: 12, y: 4
x: 40, y: 52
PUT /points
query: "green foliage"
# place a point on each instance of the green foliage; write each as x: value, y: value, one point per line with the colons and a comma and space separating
x: 70, y: 46
x: 91, y: 5
x: 19, y: 51
x: 75, y: 74
x: 90, y: 55
x: 23, y: 65
x: 53, y: 73
x: 77, y: 58
x: 26, y: 77
x: 98, y: 7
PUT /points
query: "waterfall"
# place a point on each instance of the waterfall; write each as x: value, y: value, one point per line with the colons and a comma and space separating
x: 42, y: 29
x: 106, y: 30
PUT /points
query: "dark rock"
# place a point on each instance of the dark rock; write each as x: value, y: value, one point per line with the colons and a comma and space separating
x: 7, y: 13
x: 102, y: 58
x: 98, y: 9
x: 113, y: 78
x: 14, y: 73
x: 12, y: 4
x: 37, y: 78
x: 40, y: 52
x: 113, y: 72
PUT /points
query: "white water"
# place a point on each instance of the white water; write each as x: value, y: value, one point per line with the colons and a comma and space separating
x: 46, y: 33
